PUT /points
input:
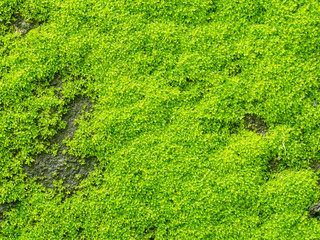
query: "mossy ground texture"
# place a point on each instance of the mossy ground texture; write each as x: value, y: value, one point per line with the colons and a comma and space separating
x: 194, y: 119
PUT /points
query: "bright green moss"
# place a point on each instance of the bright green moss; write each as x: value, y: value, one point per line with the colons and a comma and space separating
x: 172, y: 84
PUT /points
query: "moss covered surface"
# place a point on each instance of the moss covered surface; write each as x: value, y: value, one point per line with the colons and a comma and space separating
x: 202, y: 119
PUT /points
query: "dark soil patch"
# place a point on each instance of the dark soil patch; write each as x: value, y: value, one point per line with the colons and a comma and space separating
x: 254, y: 123
x: 58, y: 163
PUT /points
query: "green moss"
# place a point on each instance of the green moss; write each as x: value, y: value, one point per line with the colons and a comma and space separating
x: 172, y: 85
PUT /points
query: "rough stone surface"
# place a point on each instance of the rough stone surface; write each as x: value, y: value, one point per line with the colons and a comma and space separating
x: 48, y: 167
x: 3, y: 208
x: 315, y: 166
x: 314, y: 210
x: 22, y: 26
x: 254, y: 123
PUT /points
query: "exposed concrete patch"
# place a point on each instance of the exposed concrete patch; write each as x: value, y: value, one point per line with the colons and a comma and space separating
x: 254, y: 123
x: 57, y: 163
